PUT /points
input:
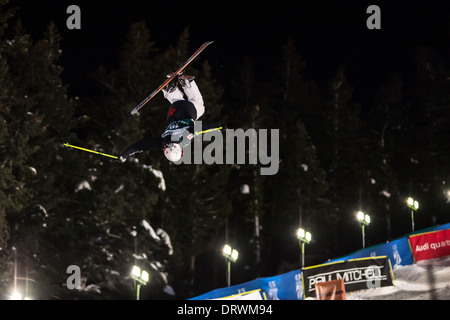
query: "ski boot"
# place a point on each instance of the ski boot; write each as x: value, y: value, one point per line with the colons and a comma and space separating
x: 185, y: 80
x: 172, y: 85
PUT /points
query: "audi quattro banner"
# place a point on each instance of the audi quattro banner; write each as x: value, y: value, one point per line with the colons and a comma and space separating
x: 430, y: 245
x: 358, y: 274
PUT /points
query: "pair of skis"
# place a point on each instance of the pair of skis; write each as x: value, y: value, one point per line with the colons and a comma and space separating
x: 172, y: 76
x: 144, y: 102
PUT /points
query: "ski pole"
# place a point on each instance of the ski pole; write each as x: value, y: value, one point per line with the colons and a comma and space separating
x: 205, y: 131
x: 88, y: 150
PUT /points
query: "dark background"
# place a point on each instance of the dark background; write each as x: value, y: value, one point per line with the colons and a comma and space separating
x: 327, y: 34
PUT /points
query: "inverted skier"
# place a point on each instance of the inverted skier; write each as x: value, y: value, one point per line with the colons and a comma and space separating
x: 185, y: 107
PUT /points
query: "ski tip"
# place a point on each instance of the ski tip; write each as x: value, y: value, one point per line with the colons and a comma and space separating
x: 134, y: 111
x: 66, y: 144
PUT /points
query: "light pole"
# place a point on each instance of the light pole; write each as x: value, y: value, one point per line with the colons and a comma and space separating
x: 303, y: 237
x: 364, y: 219
x: 231, y: 255
x: 414, y: 206
x: 141, y: 277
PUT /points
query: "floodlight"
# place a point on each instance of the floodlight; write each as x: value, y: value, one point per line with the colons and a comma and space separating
x: 234, y: 255
x: 144, y: 276
x: 308, y: 236
x: 141, y: 277
x: 300, y: 233
x: 360, y: 216
x: 410, y: 201
x: 304, y: 237
x: 136, y: 272
x: 414, y: 206
x: 231, y: 255
x: 226, y: 250
x: 363, y: 218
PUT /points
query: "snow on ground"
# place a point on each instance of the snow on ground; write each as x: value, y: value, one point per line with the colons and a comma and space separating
x: 424, y: 280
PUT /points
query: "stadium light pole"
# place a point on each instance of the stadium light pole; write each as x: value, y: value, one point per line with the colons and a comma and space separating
x: 141, y: 277
x: 414, y: 206
x: 364, y: 220
x: 231, y: 255
x: 303, y: 237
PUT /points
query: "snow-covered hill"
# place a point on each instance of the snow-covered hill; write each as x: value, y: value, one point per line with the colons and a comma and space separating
x: 424, y: 280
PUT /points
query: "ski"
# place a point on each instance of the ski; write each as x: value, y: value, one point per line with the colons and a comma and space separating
x: 172, y: 76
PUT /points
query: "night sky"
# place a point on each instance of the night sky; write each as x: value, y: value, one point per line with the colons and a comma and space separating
x: 327, y: 33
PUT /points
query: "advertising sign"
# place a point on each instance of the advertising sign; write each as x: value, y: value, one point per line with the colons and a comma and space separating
x: 430, y: 245
x: 358, y: 274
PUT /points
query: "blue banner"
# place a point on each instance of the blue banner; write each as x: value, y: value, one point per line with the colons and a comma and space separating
x: 398, y: 250
x: 287, y: 286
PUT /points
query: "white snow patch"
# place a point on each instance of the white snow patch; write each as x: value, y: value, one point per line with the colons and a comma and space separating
x: 304, y: 166
x: 142, y: 256
x: 165, y: 238
x: 109, y: 255
x: 114, y: 272
x: 156, y: 265
x: 83, y: 185
x: 93, y: 288
x: 42, y: 209
x: 169, y: 290
x: 385, y: 193
x: 164, y: 277
x: 245, y: 189
x: 150, y: 230
x: 158, y: 174
x: 120, y: 188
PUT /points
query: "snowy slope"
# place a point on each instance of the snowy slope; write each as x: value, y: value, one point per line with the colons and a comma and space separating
x: 424, y: 280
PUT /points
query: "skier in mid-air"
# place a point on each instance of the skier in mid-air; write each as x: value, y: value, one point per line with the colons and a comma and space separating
x: 181, y: 116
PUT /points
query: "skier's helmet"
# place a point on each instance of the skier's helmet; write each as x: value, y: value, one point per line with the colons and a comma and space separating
x: 173, y: 152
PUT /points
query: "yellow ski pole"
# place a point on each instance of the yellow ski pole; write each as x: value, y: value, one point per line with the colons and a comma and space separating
x: 88, y: 150
x: 205, y: 131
